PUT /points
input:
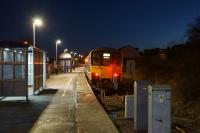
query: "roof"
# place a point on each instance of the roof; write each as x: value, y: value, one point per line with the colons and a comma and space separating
x: 128, y: 46
x: 129, y: 52
x: 65, y: 55
x: 104, y: 48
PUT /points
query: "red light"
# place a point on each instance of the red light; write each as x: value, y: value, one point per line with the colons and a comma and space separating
x: 116, y: 75
x: 96, y: 74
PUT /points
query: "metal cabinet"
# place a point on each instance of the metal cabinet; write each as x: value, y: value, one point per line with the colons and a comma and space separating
x: 141, y: 105
x: 159, y: 109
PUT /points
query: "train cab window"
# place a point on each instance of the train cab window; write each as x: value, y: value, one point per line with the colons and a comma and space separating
x: 106, y: 59
x: 96, y: 58
x: 116, y: 58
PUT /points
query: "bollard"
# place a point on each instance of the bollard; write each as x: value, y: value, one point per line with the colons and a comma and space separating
x: 141, y: 105
x: 129, y: 106
x: 159, y: 109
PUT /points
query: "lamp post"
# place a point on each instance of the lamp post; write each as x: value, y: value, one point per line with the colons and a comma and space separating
x: 57, y: 42
x: 36, y: 22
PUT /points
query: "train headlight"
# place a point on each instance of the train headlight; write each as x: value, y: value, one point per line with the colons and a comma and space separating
x: 96, y: 74
x: 86, y: 60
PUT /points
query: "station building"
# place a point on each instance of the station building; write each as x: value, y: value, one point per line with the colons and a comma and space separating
x: 65, y: 62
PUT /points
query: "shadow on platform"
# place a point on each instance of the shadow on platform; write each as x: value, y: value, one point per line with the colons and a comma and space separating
x: 17, y: 115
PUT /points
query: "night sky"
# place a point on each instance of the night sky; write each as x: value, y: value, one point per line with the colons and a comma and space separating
x: 86, y: 24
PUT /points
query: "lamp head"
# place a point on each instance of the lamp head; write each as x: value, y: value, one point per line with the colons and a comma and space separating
x: 58, y: 42
x: 37, y: 22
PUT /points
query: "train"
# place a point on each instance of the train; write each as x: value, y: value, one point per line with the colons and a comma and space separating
x: 104, y: 64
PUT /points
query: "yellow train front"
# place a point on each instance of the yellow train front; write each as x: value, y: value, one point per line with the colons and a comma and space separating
x: 104, y: 64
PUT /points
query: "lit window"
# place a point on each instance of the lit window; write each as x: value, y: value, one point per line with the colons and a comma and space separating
x: 8, y: 55
x: 106, y: 55
x: 106, y: 59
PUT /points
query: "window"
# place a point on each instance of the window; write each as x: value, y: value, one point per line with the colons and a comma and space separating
x: 106, y: 58
x: 8, y: 55
x: 8, y: 72
x: 19, y: 72
x: 96, y: 58
x: 19, y: 55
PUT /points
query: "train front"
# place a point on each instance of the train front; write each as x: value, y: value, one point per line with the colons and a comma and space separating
x: 105, y: 65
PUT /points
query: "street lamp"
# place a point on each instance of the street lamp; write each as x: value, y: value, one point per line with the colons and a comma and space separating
x: 57, y: 42
x: 36, y: 22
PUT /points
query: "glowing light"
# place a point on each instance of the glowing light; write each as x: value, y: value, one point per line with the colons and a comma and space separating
x: 106, y: 57
x: 96, y: 74
x: 38, y: 22
x: 86, y: 60
x: 7, y: 49
x: 116, y: 75
x: 106, y: 54
x: 58, y: 42
x: 25, y: 42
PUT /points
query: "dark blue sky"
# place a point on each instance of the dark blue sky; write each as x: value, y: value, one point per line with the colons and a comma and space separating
x: 87, y: 24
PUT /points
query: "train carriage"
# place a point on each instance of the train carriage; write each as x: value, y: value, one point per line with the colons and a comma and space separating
x: 104, y: 64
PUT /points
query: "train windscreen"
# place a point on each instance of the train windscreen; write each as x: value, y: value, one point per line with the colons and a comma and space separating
x: 96, y: 58
x: 105, y: 58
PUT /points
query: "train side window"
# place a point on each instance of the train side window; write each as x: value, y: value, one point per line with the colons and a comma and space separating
x: 106, y: 59
x: 96, y: 58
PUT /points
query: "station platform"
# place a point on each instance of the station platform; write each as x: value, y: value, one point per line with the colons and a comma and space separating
x: 73, y: 108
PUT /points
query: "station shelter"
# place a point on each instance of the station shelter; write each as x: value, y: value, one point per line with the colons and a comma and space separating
x: 65, y: 62
x: 19, y: 69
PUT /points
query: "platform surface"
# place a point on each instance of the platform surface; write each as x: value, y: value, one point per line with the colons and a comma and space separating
x: 68, y: 105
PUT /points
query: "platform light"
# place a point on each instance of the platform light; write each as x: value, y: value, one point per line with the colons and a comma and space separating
x: 7, y: 49
x: 57, y: 43
x: 36, y: 22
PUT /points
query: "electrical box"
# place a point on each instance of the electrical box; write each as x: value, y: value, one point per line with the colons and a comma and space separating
x: 129, y: 106
x: 141, y: 105
x: 159, y: 109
